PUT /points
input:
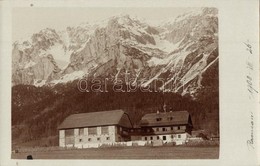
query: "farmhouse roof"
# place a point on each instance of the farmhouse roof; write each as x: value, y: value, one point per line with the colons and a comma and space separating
x: 92, y: 119
x: 166, y: 119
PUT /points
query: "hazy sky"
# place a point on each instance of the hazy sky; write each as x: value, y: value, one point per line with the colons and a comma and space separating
x: 27, y: 21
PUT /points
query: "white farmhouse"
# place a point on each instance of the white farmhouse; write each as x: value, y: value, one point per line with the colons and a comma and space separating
x: 93, y: 129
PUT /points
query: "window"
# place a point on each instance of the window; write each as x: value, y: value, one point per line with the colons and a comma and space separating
x: 172, y: 136
x: 89, y: 139
x: 81, y: 131
x: 69, y: 140
x: 108, y: 138
x: 98, y: 138
x: 92, y: 131
x: 69, y: 132
x: 179, y: 136
x: 69, y: 136
x: 157, y: 129
x: 164, y: 137
x: 104, y: 130
x: 145, y: 138
x: 179, y: 127
x: 80, y: 140
x: 151, y: 138
x: 171, y: 128
x: 158, y: 137
x: 163, y: 129
x: 158, y: 119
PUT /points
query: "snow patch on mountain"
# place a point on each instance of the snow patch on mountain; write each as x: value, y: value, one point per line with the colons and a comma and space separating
x: 60, y: 55
x: 38, y: 82
x: 29, y: 64
x: 69, y: 77
x: 161, y: 44
x: 188, y: 14
x: 65, y: 38
x: 116, y: 76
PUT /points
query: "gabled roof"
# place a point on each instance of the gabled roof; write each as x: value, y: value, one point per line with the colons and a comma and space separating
x: 92, y: 119
x: 166, y: 119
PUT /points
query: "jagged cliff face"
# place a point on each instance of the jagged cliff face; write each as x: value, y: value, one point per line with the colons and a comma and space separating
x: 179, y: 51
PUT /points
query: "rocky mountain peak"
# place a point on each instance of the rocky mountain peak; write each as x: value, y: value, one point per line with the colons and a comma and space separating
x: 45, y: 38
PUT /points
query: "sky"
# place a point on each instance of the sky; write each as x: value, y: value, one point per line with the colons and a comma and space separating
x: 29, y: 20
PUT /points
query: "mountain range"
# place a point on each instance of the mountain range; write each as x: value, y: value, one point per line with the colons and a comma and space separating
x: 182, y: 51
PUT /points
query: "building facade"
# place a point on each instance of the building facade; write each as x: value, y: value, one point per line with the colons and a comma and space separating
x: 94, y: 129
x: 166, y: 127
x: 110, y: 127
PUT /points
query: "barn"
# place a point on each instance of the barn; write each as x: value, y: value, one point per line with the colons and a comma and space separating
x: 166, y: 127
x: 93, y: 129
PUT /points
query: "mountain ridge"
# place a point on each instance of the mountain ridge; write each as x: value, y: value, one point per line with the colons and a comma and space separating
x: 126, y: 45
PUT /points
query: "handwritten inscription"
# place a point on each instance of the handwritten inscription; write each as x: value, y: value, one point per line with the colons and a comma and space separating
x: 250, y: 142
x: 249, y: 47
x: 250, y: 69
x: 251, y: 90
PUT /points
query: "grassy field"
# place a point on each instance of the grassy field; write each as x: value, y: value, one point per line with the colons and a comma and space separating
x: 176, y: 152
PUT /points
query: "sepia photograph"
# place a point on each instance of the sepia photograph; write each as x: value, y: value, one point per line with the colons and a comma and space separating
x: 115, y: 83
